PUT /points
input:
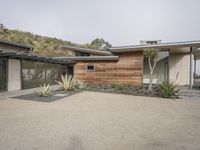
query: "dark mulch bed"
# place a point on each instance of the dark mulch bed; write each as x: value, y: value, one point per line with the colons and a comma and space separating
x: 54, y: 97
x: 130, y: 90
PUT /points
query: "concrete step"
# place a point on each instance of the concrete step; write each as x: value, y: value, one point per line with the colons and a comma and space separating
x: 190, y: 94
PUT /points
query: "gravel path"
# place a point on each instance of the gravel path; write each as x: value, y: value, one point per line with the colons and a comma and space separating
x: 100, y: 121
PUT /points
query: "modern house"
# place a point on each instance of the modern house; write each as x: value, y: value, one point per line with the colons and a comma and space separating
x: 125, y: 65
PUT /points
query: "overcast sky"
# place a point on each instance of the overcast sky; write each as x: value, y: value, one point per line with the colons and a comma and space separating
x: 121, y: 22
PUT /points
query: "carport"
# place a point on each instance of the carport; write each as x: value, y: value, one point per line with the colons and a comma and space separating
x: 11, y: 75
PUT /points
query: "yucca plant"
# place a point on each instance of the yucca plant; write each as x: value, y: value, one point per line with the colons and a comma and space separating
x: 169, y: 89
x: 69, y: 83
x: 45, y: 90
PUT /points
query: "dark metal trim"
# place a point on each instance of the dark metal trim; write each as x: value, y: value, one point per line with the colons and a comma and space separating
x: 27, y: 56
x: 87, y: 50
x: 15, y: 44
x: 90, y: 58
x: 190, y: 75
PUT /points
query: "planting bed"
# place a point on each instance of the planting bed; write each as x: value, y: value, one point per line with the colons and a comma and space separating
x: 57, y: 95
x: 131, y: 90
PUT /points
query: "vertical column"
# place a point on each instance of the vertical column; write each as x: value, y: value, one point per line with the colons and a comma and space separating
x: 14, y: 74
x: 190, y: 83
x: 167, y: 67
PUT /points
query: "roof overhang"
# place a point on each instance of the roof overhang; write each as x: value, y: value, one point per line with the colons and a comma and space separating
x: 87, y: 50
x: 31, y: 57
x: 91, y: 58
x: 163, y: 46
x: 15, y: 44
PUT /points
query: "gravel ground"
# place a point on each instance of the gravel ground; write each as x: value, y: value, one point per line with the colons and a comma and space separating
x: 100, y: 121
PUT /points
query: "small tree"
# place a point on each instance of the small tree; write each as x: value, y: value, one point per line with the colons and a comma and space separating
x: 151, y: 55
x: 100, y: 44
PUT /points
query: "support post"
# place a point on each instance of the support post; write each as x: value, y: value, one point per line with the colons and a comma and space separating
x: 190, y: 86
x: 195, y: 70
x: 167, y: 68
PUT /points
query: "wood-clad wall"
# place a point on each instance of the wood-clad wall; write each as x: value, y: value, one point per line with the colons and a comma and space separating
x: 128, y: 70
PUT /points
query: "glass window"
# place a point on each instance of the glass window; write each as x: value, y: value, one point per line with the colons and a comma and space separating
x: 90, y: 67
x: 36, y: 73
x: 3, y: 74
x: 161, y: 69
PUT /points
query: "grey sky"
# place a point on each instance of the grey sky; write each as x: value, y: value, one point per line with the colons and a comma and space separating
x: 121, y: 22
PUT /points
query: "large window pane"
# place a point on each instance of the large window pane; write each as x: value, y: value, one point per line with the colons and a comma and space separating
x: 3, y: 74
x: 161, y: 69
x: 36, y: 73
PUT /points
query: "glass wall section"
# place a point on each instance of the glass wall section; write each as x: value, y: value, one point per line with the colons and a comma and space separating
x: 3, y: 74
x: 161, y: 69
x: 36, y: 73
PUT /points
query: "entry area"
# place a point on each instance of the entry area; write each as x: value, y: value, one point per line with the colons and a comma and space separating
x: 3, y: 74
x: 161, y: 69
x: 174, y: 65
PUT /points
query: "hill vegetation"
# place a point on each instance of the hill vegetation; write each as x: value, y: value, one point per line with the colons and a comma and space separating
x: 47, y: 46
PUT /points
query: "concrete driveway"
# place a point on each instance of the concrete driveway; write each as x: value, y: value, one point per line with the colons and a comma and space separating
x: 99, y: 121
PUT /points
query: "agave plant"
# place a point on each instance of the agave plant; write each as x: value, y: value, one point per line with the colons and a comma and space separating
x: 81, y: 84
x: 169, y: 90
x: 69, y: 83
x: 45, y: 90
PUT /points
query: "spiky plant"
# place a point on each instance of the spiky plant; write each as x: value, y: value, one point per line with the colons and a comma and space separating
x: 169, y: 90
x: 81, y: 84
x: 69, y: 83
x: 45, y: 90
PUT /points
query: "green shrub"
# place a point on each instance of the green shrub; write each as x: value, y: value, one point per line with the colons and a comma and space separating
x: 69, y: 83
x: 169, y: 90
x: 112, y: 85
x: 81, y: 84
x: 119, y: 87
x: 45, y: 90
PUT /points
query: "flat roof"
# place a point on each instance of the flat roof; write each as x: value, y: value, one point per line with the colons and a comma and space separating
x: 31, y: 57
x: 87, y: 50
x: 160, y: 45
x: 90, y: 58
x: 15, y: 44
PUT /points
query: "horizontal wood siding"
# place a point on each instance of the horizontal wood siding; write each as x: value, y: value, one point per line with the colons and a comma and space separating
x: 128, y: 70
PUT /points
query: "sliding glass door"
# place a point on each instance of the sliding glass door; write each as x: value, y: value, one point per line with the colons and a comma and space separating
x: 3, y: 74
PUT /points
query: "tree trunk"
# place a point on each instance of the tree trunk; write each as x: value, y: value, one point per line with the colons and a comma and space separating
x: 150, y: 81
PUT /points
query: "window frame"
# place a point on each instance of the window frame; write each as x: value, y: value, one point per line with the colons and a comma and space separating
x: 90, y: 70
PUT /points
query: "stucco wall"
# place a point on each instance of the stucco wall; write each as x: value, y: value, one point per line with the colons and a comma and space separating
x: 14, y: 74
x: 179, y: 68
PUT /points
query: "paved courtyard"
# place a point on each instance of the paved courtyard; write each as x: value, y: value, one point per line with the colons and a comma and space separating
x: 100, y: 121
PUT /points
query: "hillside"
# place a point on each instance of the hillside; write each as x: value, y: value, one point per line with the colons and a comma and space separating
x: 46, y: 46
